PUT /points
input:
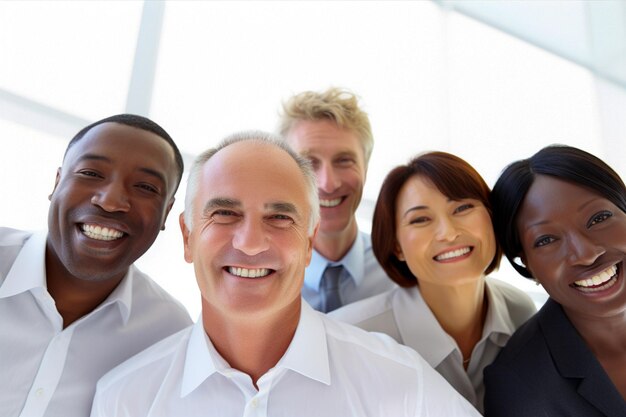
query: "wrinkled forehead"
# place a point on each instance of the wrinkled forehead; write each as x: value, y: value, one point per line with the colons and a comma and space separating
x: 249, y: 170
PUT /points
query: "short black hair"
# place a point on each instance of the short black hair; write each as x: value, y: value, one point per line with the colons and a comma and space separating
x: 558, y: 161
x: 138, y: 122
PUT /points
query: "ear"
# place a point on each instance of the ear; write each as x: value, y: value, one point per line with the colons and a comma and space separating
x: 520, y: 261
x: 56, y: 183
x: 167, y: 211
x: 186, y: 232
x: 311, y: 239
x: 398, y: 252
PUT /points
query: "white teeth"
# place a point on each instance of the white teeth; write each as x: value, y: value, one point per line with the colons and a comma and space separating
x: 598, y: 279
x: 101, y: 233
x: 248, y: 273
x: 452, y: 254
x: 330, y: 203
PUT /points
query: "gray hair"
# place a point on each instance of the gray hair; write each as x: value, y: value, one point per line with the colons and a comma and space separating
x: 258, y: 137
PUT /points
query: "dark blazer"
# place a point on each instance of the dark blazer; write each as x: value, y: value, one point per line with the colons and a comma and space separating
x: 546, y: 369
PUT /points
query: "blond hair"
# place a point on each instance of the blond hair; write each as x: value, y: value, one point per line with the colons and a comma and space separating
x: 338, y: 105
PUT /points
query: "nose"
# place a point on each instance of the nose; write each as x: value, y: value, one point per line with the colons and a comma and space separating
x: 582, y: 249
x: 446, y: 230
x: 112, y: 197
x: 250, y: 237
x: 327, y: 179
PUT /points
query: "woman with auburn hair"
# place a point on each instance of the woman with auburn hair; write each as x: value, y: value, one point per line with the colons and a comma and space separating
x: 560, y: 216
x: 433, y: 235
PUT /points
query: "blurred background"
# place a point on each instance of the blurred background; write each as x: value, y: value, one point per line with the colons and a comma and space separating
x: 491, y: 81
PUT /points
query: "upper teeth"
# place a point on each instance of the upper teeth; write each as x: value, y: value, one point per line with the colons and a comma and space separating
x: 330, y: 203
x: 248, y: 273
x: 452, y: 254
x: 598, y: 279
x: 101, y: 233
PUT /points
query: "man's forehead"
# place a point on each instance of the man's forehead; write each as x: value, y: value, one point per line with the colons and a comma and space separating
x: 264, y: 175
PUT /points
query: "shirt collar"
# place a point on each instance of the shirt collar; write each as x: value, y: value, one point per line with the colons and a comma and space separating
x: 123, y: 294
x: 415, y: 320
x: 201, y: 360
x: 499, y: 325
x: 439, y: 345
x: 353, y: 262
x: 29, y: 269
x: 29, y: 273
x: 307, y: 353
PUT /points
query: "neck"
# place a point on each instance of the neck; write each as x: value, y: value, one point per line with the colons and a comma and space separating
x: 74, y: 297
x: 460, y: 310
x: 334, y: 246
x: 252, y: 343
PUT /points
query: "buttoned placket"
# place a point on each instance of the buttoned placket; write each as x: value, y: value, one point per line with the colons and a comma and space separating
x: 256, y: 400
x: 52, y: 362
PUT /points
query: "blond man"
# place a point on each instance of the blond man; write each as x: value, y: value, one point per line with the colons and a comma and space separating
x: 334, y: 133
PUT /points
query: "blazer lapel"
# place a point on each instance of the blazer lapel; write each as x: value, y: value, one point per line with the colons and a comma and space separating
x: 574, y: 360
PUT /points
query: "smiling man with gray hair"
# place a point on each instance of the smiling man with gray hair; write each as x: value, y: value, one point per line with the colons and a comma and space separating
x: 250, y: 217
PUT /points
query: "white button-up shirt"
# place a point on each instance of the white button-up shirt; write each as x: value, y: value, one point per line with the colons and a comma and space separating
x: 50, y: 371
x: 361, y: 278
x: 403, y: 314
x: 329, y: 369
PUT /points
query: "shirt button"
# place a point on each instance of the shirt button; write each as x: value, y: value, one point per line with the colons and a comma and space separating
x: 39, y: 392
x: 254, y: 403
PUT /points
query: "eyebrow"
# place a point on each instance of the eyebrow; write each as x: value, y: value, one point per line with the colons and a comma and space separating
x: 145, y: 170
x: 411, y: 209
x: 223, y: 202
x: 578, y: 210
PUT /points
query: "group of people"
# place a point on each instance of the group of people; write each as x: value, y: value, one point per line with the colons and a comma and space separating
x: 408, y: 321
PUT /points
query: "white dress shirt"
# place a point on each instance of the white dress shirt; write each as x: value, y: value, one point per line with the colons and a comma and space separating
x: 402, y: 314
x: 51, y: 371
x: 329, y: 369
x: 361, y: 278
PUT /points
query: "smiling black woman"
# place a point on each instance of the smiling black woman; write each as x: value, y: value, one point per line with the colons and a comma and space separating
x: 561, y: 219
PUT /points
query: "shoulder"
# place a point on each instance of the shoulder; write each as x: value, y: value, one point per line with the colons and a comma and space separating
x: 150, y: 296
x: 519, y: 305
x: 350, y: 340
x: 147, y: 367
x: 365, y: 309
x: 13, y: 237
x: 396, y: 372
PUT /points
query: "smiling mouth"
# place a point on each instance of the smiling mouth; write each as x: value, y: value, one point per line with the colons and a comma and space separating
x: 599, y: 282
x: 330, y: 203
x: 453, y: 254
x: 249, y: 273
x: 100, y: 233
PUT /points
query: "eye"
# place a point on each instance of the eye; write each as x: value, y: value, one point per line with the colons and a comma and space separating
x: 543, y: 241
x: 463, y: 207
x: 599, y: 218
x: 280, y: 220
x: 419, y: 220
x: 148, y: 187
x: 89, y: 173
x: 224, y: 216
x: 345, y: 161
x: 315, y: 163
